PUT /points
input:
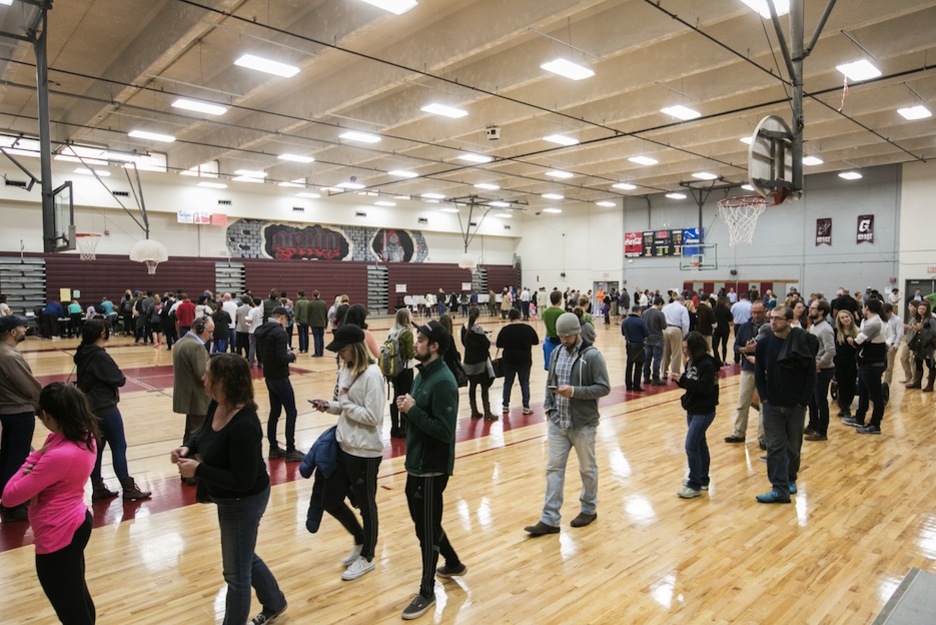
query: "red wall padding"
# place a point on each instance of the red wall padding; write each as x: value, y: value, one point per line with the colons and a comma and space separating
x: 330, y: 278
x: 111, y: 275
x: 500, y: 276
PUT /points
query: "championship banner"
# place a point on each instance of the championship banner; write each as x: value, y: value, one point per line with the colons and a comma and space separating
x: 865, y: 228
x: 824, y: 231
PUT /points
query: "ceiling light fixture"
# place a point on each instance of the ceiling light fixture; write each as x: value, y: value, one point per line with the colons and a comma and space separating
x: 561, y: 139
x: 568, y: 69
x: 676, y: 196
x: 403, y: 173
x: 915, y: 112
x: 850, y: 175
x: 681, y: 112
x: 643, y: 160
x: 449, y: 209
x: 351, y: 185
x: 384, y: 203
x: 199, y: 107
x: 291, y: 185
x: 261, y: 64
x: 446, y: 111
x: 552, y: 210
x: 363, y: 137
x: 88, y: 172
x: 558, y: 173
x: 250, y: 173
x: 704, y: 175
x: 859, y: 70
x: 504, y: 215
x: 499, y: 204
x: 552, y: 196
x: 308, y: 195
x: 247, y: 179
x: 606, y: 203
x: 487, y: 186
x: 782, y: 7
x: 212, y: 185
x: 152, y: 136
x: 433, y: 196
x: 471, y: 157
x: 296, y: 158
x: 397, y: 7
x: 812, y: 160
x: 626, y: 186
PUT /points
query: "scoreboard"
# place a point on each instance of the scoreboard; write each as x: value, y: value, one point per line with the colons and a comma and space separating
x: 661, y: 242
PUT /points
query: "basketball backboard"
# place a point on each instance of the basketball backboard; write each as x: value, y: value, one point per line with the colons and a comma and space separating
x: 770, y: 159
x: 64, y: 211
x: 699, y: 257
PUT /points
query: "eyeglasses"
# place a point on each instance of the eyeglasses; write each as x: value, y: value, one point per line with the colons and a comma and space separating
x: 773, y: 318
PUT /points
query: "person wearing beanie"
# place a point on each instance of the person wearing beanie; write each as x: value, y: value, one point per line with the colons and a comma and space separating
x: 577, y: 378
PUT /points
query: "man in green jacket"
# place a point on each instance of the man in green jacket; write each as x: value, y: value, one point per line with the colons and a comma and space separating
x: 431, y: 409
x: 302, y: 311
x: 318, y: 319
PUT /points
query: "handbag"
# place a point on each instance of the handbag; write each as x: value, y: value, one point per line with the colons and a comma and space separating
x: 461, y: 378
x: 498, y: 365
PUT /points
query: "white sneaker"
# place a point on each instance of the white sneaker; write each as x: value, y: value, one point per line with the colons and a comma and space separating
x: 353, y: 555
x: 358, y: 568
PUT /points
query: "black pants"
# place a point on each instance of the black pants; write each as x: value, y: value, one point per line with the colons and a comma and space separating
x: 846, y: 375
x: 869, y: 391
x: 722, y: 340
x: 424, y: 498
x: 62, y: 576
x: 402, y: 384
x: 243, y: 344
x: 359, y: 477
x: 635, y: 359
x: 482, y: 380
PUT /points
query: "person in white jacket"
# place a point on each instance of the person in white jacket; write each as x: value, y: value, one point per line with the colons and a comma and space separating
x: 360, y: 408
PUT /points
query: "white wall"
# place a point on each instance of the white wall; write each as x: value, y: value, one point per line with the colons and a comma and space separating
x: 917, y: 222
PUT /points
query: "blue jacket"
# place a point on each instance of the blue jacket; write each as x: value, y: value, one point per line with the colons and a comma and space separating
x: 323, y: 460
x: 635, y: 329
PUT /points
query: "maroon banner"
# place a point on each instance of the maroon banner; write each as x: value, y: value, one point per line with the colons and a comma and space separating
x: 633, y: 244
x: 824, y: 231
x: 865, y: 228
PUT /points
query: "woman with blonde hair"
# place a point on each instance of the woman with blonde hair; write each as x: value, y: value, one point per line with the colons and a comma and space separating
x: 360, y: 407
x: 846, y: 361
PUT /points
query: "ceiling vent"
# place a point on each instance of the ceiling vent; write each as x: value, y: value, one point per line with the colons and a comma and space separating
x: 360, y: 214
x: 15, y: 183
x: 120, y: 193
x: 506, y: 227
x: 423, y: 220
x: 224, y: 202
x: 298, y: 209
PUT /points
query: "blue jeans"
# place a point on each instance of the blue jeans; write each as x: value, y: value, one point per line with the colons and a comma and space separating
x: 239, y: 520
x: 318, y: 338
x: 523, y: 374
x: 15, y: 439
x: 219, y: 346
x: 549, y: 344
x: 558, y: 445
x: 819, y: 405
x: 697, y: 449
x: 783, y: 427
x: 654, y: 358
x: 112, y: 433
x: 282, y: 396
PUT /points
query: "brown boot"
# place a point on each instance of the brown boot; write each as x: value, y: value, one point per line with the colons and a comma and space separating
x: 474, y: 408
x: 929, y: 381
x: 917, y: 379
x: 99, y: 490
x: 488, y: 415
x: 132, y: 492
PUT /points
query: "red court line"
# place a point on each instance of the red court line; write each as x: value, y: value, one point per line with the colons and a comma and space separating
x: 171, y: 494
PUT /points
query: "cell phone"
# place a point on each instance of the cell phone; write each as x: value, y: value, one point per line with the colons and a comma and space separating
x: 551, y: 387
x: 317, y: 403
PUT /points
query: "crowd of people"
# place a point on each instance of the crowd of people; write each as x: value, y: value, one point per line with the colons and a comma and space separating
x: 792, y: 354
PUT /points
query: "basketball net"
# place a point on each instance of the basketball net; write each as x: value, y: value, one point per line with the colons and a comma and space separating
x: 741, y: 213
x: 87, y: 244
x: 151, y: 266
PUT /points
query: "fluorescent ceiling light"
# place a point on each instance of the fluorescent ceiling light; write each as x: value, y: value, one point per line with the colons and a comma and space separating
x: 212, y: 185
x: 433, y: 196
x: 747, y: 187
x: 915, y: 112
x: 748, y: 140
x: 847, y: 175
x: 558, y: 173
x: 471, y: 157
x: 296, y: 158
x: 704, y: 175
x: 449, y: 209
x: 292, y: 185
x: 626, y: 186
x: 643, y: 160
x: 499, y: 204
x: 88, y: 172
x: 552, y: 210
x: 859, y: 70
x: 250, y: 173
x: 567, y: 69
x: 199, y: 107
x: 332, y: 189
x: 606, y: 203
x: 446, y: 111
x: 121, y: 156
x: 403, y: 173
x: 75, y: 159
x: 676, y: 196
x: 247, y: 179
x: 308, y: 195
x: 397, y: 7
x: 363, y: 137
x: 402, y: 197
x: 560, y: 139
x: 384, y: 203
x: 152, y: 136
x: 487, y: 186
x: 812, y: 160
x: 681, y: 112
x: 261, y: 64
x: 504, y: 215
x: 781, y: 6
x: 552, y: 196
x: 351, y: 185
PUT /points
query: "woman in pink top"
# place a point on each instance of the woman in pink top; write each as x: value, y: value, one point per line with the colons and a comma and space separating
x: 53, y: 479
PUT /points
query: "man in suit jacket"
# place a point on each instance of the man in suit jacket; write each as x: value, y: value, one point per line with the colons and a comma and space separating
x: 189, y: 360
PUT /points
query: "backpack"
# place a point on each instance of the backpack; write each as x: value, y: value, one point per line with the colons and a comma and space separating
x: 389, y: 360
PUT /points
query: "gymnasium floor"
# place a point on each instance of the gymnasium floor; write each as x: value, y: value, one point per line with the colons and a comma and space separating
x: 863, y: 517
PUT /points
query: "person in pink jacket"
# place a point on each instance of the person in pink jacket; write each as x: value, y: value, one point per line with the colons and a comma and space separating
x: 53, y: 480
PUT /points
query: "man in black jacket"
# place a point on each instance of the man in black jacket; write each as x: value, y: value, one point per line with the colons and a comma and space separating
x: 272, y: 342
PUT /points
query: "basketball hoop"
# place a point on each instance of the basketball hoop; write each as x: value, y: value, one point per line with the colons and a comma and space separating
x: 87, y: 244
x: 741, y: 213
x: 149, y: 252
x: 468, y: 261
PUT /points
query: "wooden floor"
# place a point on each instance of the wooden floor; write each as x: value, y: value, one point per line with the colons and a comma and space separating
x: 863, y: 517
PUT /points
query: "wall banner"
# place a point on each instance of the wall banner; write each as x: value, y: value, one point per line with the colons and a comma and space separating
x: 865, y: 228
x: 824, y: 231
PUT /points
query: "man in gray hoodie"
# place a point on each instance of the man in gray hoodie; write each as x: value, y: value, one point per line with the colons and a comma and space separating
x: 577, y: 377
